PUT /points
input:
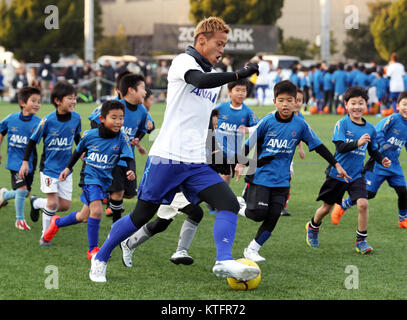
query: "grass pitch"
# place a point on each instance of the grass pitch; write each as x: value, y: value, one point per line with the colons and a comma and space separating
x: 293, y: 271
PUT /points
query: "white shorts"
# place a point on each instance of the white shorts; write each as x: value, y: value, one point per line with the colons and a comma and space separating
x: 53, y: 185
x: 170, y: 211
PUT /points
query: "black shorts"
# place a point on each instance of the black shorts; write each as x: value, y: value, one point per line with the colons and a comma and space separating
x: 333, y: 190
x: 259, y: 198
x: 17, y: 182
x: 120, y: 183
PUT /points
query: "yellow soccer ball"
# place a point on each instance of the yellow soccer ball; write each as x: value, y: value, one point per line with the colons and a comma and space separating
x: 245, y: 285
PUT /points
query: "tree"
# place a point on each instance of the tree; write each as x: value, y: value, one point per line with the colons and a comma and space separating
x: 23, y: 29
x: 315, y: 50
x: 258, y: 12
x: 389, y: 29
x: 116, y: 45
x: 295, y: 47
x: 359, y: 45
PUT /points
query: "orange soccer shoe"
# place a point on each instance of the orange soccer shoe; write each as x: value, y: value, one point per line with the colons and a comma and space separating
x: 337, y: 214
x: 93, y: 252
x: 52, y: 229
x: 403, y: 223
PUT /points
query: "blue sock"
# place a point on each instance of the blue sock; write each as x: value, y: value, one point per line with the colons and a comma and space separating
x: 224, y: 230
x: 121, y: 230
x: 93, y: 232
x: 347, y: 203
x: 19, y: 203
x: 11, y: 194
x: 263, y: 237
x: 67, y: 220
x: 402, y: 214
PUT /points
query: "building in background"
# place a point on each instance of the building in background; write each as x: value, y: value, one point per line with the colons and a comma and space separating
x: 300, y: 19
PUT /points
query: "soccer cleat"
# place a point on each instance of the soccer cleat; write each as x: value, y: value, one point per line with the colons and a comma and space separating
x: 93, y: 252
x: 242, y: 204
x: 181, y: 257
x: 311, y: 236
x: 109, y: 212
x: 22, y: 225
x: 97, y: 271
x: 285, y: 213
x: 34, y: 213
x: 337, y: 214
x: 2, y: 201
x: 52, y: 229
x: 403, y: 223
x: 253, y: 255
x: 44, y: 243
x: 127, y: 254
x: 234, y: 269
x: 363, y: 247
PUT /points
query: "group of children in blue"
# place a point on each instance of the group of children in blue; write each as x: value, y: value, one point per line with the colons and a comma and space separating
x: 120, y: 124
x: 327, y: 85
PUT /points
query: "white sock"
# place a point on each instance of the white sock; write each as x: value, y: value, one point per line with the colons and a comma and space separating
x: 46, y: 219
x: 40, y: 203
x: 254, y: 246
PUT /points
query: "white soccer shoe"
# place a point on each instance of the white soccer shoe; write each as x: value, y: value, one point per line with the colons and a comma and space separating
x: 253, y: 255
x: 97, y: 271
x: 242, y: 204
x: 127, y: 254
x: 182, y: 257
x: 2, y: 201
x: 234, y: 269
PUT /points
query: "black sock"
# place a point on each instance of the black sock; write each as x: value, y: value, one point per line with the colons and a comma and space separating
x: 314, y: 225
x: 361, y: 235
x: 117, y: 209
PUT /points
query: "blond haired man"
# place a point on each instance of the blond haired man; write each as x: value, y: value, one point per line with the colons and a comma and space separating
x: 177, y: 159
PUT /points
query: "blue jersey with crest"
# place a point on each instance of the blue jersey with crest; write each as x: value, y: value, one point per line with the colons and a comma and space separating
x: 280, y: 139
x: 58, y: 138
x: 19, y: 130
x: 102, y: 155
x: 347, y: 131
x: 134, y: 121
x: 227, y: 135
x: 391, y: 137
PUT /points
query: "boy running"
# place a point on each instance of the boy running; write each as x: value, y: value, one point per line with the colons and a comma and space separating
x: 391, y: 137
x: 59, y: 130
x: 103, y: 147
x: 353, y: 136
x: 277, y: 136
x: 19, y: 127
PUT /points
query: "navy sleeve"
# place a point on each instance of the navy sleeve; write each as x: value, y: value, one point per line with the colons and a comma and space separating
x: 203, y: 80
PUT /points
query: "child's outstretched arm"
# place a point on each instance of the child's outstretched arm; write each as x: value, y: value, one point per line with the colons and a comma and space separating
x: 24, y: 166
x: 74, y: 158
x: 301, y: 150
x: 131, y: 168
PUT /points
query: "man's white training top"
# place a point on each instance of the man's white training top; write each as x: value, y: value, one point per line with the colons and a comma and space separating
x: 184, y: 130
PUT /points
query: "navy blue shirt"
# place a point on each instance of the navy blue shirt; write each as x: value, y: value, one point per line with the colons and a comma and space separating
x: 347, y: 131
x: 279, y: 139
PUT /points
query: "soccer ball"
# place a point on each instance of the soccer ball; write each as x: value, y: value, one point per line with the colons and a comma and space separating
x: 245, y: 285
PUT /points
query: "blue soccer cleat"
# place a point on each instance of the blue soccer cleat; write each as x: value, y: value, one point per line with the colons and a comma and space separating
x: 363, y: 247
x: 311, y: 236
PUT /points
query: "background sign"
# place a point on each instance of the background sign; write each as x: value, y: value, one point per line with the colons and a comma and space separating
x: 251, y: 39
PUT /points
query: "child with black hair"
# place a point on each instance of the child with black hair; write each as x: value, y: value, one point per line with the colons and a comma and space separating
x: 276, y: 136
x: 19, y: 127
x: 353, y: 136
x: 103, y: 147
x: 58, y: 130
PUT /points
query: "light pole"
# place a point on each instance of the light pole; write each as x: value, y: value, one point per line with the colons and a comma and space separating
x: 89, y: 30
x: 325, y: 28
